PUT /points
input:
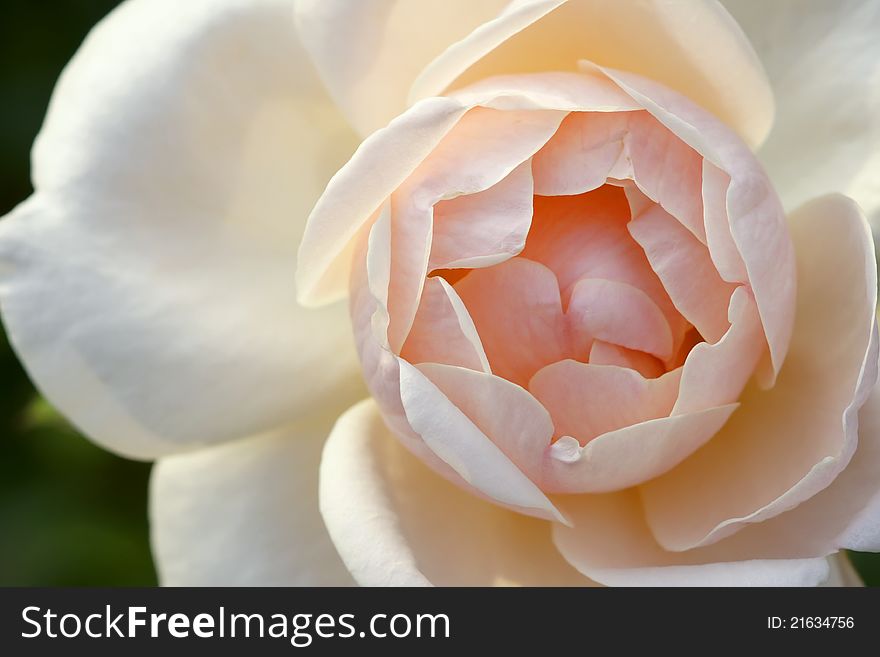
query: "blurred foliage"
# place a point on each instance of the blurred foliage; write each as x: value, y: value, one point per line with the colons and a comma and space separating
x: 70, y: 512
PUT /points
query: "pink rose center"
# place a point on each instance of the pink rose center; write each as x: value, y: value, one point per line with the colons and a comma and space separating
x: 596, y: 314
x: 565, y: 287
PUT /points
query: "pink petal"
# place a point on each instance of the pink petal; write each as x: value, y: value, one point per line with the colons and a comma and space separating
x: 443, y: 331
x: 585, y: 236
x: 666, y: 170
x: 621, y: 314
x: 725, y: 254
x: 587, y: 400
x: 715, y: 374
x: 506, y: 413
x: 518, y: 314
x: 580, y: 155
x: 603, y: 353
x: 454, y: 437
x: 382, y: 369
x: 410, y: 247
x: 369, y: 318
x: 629, y: 456
x: 687, y: 272
x: 788, y: 443
x: 590, y: 147
x: 757, y: 220
x: 484, y: 148
x: 483, y: 229
x: 444, y: 145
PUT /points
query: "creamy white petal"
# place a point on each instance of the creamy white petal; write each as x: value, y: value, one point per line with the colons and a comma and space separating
x: 695, y: 48
x: 244, y: 514
x: 369, y: 52
x: 148, y: 283
x: 823, y: 61
x: 844, y: 515
x: 842, y: 573
x: 412, y: 50
x: 397, y: 523
x: 611, y: 543
x: 787, y: 444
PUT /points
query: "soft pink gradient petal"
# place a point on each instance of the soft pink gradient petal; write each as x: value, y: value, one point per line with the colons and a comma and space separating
x: 443, y: 331
x: 715, y: 374
x: 687, y: 272
x: 603, y: 353
x: 619, y: 313
x: 410, y: 247
x: 458, y: 441
x: 506, y: 413
x: 629, y: 456
x: 590, y: 147
x: 518, y: 314
x: 483, y: 229
x: 757, y: 220
x: 388, y: 157
x: 610, y: 542
x: 722, y: 248
x: 588, y: 400
x: 381, y: 368
x: 665, y: 169
x: 396, y: 523
x: 580, y: 156
x: 788, y: 443
x: 585, y: 236
x: 379, y: 166
x: 483, y: 149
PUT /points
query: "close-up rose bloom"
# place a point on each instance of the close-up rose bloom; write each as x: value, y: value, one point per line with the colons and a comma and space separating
x: 469, y: 292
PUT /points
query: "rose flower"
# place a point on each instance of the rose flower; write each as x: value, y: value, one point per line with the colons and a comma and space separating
x: 603, y: 341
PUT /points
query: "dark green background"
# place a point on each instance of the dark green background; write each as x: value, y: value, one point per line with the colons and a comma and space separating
x: 70, y: 512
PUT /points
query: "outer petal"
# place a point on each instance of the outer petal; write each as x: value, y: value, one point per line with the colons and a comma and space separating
x: 147, y: 285
x: 844, y: 515
x: 680, y: 44
x: 397, y: 523
x: 244, y: 514
x: 611, y: 543
x: 369, y: 52
x: 362, y: 46
x: 823, y: 60
x: 787, y: 444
